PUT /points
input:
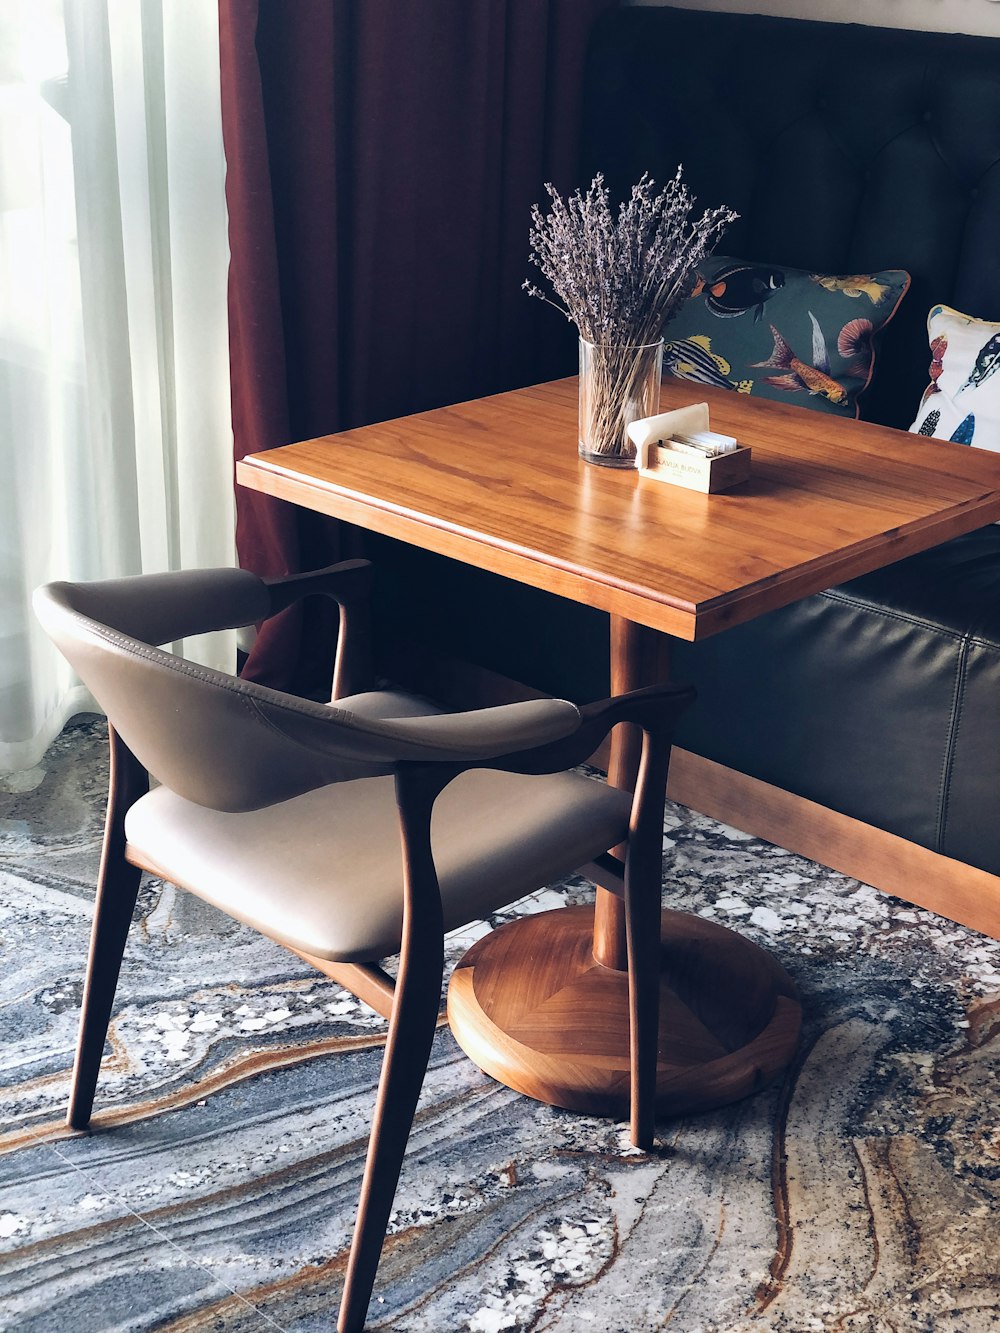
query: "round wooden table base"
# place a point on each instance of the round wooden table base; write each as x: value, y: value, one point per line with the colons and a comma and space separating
x: 530, y: 1006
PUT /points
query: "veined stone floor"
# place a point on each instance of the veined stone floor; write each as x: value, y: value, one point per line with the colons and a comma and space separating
x: 218, y: 1188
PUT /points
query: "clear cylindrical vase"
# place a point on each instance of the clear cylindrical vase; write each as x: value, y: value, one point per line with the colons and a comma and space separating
x: 619, y: 384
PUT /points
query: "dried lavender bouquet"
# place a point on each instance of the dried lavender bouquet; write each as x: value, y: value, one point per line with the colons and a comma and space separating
x: 619, y: 281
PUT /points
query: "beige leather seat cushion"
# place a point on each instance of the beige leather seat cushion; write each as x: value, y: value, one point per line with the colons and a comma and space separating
x: 322, y: 872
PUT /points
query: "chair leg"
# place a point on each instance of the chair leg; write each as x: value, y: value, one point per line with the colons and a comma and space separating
x: 643, y: 874
x: 408, y: 1046
x: 117, y: 890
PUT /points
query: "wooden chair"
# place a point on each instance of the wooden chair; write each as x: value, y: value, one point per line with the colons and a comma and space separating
x: 313, y: 822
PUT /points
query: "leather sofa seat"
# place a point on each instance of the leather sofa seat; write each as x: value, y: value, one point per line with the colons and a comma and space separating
x: 879, y: 698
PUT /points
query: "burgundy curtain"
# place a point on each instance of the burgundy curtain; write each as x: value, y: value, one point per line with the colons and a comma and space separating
x: 382, y: 159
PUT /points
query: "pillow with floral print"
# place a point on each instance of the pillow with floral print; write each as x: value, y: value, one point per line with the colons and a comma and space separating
x: 962, y: 401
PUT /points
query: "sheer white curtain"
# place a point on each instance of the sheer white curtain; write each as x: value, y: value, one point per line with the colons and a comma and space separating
x: 115, y: 428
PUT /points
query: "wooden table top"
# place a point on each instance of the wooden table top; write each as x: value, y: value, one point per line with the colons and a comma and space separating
x: 497, y: 483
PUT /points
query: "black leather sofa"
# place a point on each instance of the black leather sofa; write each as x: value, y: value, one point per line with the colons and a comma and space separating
x: 845, y: 149
x: 861, y: 726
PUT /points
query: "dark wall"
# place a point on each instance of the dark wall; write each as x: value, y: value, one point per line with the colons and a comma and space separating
x: 844, y: 148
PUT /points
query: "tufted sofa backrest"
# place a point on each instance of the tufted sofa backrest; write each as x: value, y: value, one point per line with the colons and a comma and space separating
x: 844, y: 148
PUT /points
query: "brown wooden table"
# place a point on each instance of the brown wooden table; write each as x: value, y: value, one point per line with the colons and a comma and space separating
x: 497, y: 483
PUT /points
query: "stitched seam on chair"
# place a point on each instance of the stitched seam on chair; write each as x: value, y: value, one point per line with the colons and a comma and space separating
x: 235, y: 687
x: 231, y: 684
x: 248, y: 698
x: 258, y: 696
x: 250, y: 695
x: 261, y: 718
x: 944, y: 790
x: 257, y: 716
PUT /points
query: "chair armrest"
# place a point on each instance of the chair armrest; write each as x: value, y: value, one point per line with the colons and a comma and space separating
x: 447, y: 743
x: 536, y: 736
x: 475, y: 738
x: 349, y: 585
x: 655, y: 709
x: 650, y: 707
x: 346, y: 582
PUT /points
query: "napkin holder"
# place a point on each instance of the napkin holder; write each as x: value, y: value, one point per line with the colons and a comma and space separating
x: 656, y: 460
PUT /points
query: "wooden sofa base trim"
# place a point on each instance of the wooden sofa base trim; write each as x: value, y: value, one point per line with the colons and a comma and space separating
x: 955, y: 890
x: 960, y: 892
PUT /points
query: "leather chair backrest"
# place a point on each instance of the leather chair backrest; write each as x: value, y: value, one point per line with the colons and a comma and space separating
x: 845, y: 148
x: 212, y: 738
x: 234, y: 745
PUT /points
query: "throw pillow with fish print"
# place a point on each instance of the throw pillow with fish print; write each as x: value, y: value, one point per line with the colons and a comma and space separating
x: 783, y: 333
x: 962, y: 400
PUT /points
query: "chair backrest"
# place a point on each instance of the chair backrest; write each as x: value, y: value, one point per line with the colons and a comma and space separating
x: 214, y: 739
x: 231, y: 744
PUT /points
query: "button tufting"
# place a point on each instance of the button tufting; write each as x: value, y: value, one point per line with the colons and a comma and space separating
x: 927, y: 117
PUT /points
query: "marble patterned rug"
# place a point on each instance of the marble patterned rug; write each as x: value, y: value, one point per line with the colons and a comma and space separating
x: 218, y: 1187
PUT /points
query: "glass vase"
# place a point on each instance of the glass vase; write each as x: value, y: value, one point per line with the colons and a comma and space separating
x: 619, y: 384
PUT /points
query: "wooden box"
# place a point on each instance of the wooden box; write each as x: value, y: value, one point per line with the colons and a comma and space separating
x: 655, y: 460
x: 697, y: 474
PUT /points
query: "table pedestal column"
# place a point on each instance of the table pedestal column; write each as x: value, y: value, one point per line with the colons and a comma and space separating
x: 541, y: 1004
